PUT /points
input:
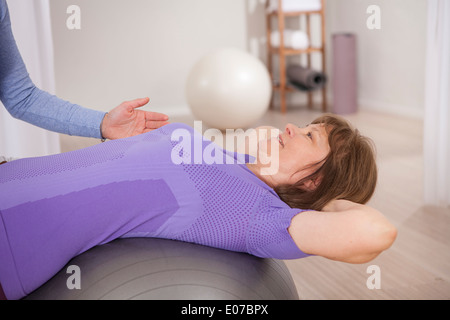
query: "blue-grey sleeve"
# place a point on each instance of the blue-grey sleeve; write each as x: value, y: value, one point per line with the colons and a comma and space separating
x: 26, y: 102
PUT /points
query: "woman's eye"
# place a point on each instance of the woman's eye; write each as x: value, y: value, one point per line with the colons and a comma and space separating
x: 309, y: 134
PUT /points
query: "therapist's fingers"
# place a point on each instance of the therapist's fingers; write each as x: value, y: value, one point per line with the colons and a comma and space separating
x: 155, y: 116
x: 155, y: 124
x: 149, y: 115
x: 136, y: 103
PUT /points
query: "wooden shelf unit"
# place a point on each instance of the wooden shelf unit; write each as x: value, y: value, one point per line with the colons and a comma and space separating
x: 282, y: 52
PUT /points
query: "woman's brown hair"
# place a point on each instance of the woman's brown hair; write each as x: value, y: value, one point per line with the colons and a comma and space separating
x: 348, y: 172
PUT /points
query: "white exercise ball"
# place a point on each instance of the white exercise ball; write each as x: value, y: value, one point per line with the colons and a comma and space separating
x: 229, y: 89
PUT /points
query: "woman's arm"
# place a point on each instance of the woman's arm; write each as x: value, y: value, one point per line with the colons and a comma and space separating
x: 343, y: 231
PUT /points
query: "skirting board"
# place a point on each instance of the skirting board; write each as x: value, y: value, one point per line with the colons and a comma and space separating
x: 391, y: 108
x: 385, y: 107
x: 364, y: 104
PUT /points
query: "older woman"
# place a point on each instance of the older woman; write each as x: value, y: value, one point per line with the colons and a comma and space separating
x: 54, y: 208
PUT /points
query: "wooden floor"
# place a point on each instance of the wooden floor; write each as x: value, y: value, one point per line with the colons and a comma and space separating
x: 417, y: 266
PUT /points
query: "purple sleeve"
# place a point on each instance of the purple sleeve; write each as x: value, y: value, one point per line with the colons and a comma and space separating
x: 268, y: 235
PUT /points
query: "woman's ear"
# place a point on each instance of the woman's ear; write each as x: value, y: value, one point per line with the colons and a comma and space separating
x: 311, y: 184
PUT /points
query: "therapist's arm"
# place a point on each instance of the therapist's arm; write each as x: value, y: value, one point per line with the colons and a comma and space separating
x: 26, y: 102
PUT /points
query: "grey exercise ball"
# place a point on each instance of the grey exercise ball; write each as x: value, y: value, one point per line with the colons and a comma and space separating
x: 144, y: 268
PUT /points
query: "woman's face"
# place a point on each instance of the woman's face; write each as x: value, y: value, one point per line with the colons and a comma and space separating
x: 298, y: 150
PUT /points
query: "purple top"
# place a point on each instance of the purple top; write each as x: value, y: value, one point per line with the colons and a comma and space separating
x: 56, y: 207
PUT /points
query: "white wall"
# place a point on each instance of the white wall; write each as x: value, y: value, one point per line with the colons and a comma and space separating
x: 391, y: 60
x: 127, y: 49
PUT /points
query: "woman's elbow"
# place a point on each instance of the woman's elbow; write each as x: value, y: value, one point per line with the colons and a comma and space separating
x: 376, y: 234
x: 382, y: 238
x: 387, y: 236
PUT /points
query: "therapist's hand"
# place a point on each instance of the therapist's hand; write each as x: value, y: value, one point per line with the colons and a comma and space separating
x: 126, y: 121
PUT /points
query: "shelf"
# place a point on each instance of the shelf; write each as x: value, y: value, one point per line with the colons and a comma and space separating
x: 289, y: 87
x: 291, y: 52
x: 295, y: 13
x: 283, y: 86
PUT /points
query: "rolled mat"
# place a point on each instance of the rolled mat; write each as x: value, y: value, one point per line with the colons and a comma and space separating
x: 345, y: 83
x: 305, y: 78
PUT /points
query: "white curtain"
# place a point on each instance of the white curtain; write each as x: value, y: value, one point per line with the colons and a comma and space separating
x: 437, y: 105
x: 31, y: 26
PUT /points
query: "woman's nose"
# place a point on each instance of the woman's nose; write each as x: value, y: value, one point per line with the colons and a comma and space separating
x: 290, y: 129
